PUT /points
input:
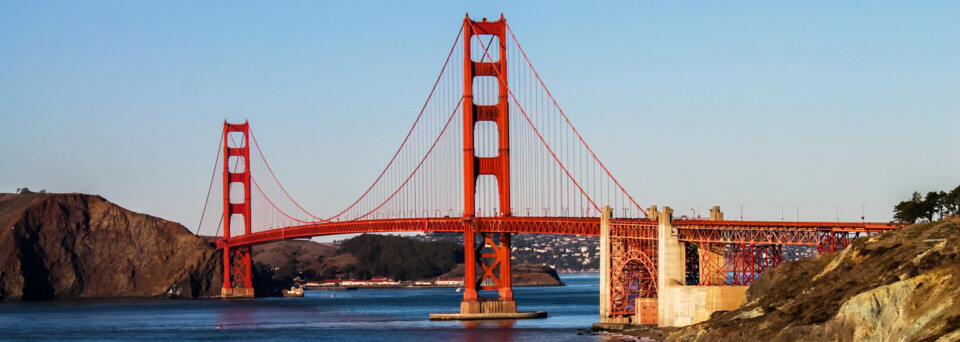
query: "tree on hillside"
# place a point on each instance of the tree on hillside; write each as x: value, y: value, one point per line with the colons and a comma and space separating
x: 399, y: 257
x: 932, y: 205
x: 952, y: 201
x: 910, y: 210
x: 937, y: 204
x: 287, y: 272
x: 26, y: 191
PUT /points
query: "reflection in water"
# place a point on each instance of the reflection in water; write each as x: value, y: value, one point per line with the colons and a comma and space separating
x: 503, y: 323
x: 367, y: 315
x: 238, y: 316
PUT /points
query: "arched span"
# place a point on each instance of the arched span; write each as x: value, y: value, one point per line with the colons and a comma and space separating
x: 636, y: 277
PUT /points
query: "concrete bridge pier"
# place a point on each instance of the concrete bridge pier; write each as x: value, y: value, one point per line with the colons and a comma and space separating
x: 676, y: 303
x: 605, y: 268
x: 680, y: 304
x: 492, y: 253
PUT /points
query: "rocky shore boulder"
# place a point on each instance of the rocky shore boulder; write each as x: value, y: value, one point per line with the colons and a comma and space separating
x: 898, y: 286
x: 81, y: 246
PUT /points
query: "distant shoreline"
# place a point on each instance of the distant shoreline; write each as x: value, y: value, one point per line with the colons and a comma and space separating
x: 351, y: 288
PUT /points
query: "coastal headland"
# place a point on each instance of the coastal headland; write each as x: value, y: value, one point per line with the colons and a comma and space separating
x: 58, y: 246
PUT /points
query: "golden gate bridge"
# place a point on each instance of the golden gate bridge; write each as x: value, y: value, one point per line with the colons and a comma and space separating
x: 491, y: 153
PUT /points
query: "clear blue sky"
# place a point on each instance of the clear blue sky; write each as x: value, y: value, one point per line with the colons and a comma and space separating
x: 821, y: 103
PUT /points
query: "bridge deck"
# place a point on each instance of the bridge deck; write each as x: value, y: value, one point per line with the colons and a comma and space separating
x: 770, y: 232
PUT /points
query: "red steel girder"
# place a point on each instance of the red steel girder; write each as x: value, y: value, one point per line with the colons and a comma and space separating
x: 633, y: 272
x: 771, y: 232
x: 866, y: 227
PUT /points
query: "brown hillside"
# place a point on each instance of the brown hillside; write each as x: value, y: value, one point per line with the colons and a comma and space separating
x: 74, y: 245
x: 307, y: 253
x: 898, y: 286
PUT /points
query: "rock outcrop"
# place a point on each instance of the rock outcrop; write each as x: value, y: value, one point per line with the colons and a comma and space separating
x: 898, y: 286
x: 534, y: 274
x: 522, y: 275
x: 77, y: 246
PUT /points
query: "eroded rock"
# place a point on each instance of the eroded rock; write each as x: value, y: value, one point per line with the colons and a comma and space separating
x: 898, y: 286
x: 81, y: 246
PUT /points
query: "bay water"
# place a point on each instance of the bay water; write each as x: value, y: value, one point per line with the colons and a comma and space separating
x: 361, y: 315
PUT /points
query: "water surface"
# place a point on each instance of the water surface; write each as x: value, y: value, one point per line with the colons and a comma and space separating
x: 365, y: 314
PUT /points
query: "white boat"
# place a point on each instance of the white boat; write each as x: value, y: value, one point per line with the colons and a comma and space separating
x: 459, y: 288
x: 293, y: 292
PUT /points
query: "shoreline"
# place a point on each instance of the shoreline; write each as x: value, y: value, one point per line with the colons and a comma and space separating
x: 352, y: 288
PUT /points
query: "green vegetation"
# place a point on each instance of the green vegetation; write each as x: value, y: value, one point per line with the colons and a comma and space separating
x: 939, y: 204
x: 25, y: 191
x: 268, y: 281
x: 399, y: 257
x: 287, y: 272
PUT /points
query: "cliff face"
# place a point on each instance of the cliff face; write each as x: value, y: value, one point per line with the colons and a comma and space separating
x: 898, y: 286
x: 74, y: 245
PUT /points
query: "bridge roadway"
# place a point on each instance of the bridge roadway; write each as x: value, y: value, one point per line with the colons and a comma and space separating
x: 704, y: 231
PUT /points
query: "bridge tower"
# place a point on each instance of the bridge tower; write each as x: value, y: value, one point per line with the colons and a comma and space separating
x: 496, y: 264
x: 237, y: 280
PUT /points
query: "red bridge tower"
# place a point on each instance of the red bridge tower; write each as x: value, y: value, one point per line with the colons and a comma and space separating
x: 236, y: 260
x: 493, y: 252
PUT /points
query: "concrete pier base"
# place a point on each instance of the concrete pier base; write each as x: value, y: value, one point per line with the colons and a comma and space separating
x: 488, y: 306
x: 237, y: 292
x: 694, y: 304
x: 488, y: 309
x: 486, y: 316
x: 680, y: 305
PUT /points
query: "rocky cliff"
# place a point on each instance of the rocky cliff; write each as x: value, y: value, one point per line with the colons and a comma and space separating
x: 74, y: 245
x: 898, y: 286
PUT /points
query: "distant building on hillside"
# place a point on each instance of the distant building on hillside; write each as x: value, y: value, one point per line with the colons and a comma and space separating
x: 449, y: 282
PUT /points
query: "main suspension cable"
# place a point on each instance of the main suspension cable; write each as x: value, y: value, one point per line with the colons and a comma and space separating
x: 216, y: 161
x: 535, y: 130
x: 405, y: 139
x: 568, y: 121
